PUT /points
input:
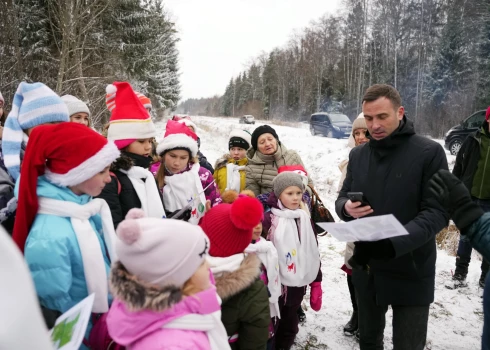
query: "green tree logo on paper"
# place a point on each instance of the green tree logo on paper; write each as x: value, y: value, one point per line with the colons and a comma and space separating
x: 63, y: 332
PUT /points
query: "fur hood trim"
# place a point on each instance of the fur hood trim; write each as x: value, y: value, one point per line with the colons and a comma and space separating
x: 138, y: 295
x: 124, y: 162
x: 221, y: 162
x: 232, y: 283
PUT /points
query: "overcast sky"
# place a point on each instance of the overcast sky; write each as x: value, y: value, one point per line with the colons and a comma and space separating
x: 219, y: 37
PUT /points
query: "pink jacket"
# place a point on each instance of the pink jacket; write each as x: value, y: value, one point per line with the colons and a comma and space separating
x: 143, y: 330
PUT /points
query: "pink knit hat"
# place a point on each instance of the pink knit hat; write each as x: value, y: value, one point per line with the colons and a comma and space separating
x: 160, y: 251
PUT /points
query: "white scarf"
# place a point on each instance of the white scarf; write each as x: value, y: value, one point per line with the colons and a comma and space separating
x: 299, y: 258
x: 233, y: 176
x: 267, y: 254
x: 229, y: 264
x: 182, y: 189
x: 146, y: 188
x: 210, y: 323
x: 93, y: 260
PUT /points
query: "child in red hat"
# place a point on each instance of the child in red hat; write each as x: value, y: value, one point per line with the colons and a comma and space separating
x: 66, y: 236
x: 132, y: 130
x: 245, y: 308
x: 181, y: 179
x: 291, y: 230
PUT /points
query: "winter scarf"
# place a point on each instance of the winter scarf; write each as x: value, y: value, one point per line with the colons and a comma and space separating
x: 300, y: 258
x: 147, y: 191
x: 267, y: 254
x: 229, y: 264
x: 209, y: 323
x: 233, y: 176
x: 182, y: 189
x: 93, y: 260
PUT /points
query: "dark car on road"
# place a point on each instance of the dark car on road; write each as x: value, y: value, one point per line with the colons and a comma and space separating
x: 457, y: 134
x: 330, y: 124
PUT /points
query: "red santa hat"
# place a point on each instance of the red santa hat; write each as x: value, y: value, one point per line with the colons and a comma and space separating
x: 130, y: 120
x: 298, y: 169
x: 110, y: 99
x: 178, y: 135
x: 487, y: 114
x: 67, y: 154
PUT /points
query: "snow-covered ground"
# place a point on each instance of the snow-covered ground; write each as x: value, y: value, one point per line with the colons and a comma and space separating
x: 456, y: 316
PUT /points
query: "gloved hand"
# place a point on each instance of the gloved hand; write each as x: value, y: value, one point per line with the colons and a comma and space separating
x: 455, y: 198
x: 365, y: 251
x: 316, y: 295
x: 186, y: 215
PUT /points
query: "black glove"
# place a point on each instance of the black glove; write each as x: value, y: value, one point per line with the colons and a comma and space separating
x: 186, y: 215
x: 455, y: 198
x: 365, y: 251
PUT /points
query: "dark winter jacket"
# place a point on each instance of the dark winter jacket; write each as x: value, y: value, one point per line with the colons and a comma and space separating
x: 393, y: 174
x: 245, y: 308
x: 120, y: 194
x: 204, y: 162
x: 469, y: 156
x: 479, y: 235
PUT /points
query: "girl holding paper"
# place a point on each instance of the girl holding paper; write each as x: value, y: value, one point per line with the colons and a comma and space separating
x: 182, y: 181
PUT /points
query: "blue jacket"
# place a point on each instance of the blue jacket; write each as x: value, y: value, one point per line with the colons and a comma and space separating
x: 53, y: 254
x: 479, y: 235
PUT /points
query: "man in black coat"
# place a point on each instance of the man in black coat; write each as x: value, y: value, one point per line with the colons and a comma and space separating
x: 393, y: 170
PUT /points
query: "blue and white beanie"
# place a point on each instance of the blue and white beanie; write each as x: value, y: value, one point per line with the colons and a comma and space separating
x: 34, y: 104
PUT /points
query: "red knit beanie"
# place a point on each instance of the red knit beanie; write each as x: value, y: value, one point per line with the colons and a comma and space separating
x: 487, y: 115
x: 229, y: 227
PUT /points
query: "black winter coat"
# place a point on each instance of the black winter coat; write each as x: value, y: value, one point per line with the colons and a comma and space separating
x: 393, y: 174
x: 468, y: 158
x: 203, y: 161
x: 120, y: 194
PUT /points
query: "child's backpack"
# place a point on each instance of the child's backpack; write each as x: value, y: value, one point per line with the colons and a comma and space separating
x: 319, y: 213
x: 99, y: 338
x: 118, y: 183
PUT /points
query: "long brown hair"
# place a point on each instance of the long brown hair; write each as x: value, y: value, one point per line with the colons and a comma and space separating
x: 160, y: 177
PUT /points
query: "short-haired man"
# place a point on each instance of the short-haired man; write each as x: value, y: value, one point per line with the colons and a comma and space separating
x: 393, y: 170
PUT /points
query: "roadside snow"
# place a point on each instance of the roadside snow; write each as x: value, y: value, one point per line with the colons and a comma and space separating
x: 456, y: 316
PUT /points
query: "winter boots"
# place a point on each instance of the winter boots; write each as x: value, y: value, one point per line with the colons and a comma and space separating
x: 351, y: 327
x: 301, y: 315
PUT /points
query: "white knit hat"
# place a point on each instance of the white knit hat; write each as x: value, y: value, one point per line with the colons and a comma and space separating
x: 239, y: 138
x: 160, y: 251
x: 75, y: 105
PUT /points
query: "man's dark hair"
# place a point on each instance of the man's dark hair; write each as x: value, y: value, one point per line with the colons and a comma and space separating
x: 383, y: 90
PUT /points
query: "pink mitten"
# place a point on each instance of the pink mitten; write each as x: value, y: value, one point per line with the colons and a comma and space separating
x: 316, y: 296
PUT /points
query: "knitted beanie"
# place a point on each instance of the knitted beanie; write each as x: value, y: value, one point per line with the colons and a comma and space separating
x: 487, y: 115
x: 229, y: 227
x: 285, y: 180
x: 359, y: 123
x: 263, y: 129
x: 129, y: 119
x: 178, y: 135
x: 75, y: 105
x: 239, y: 138
x: 67, y: 154
x: 298, y: 169
x: 34, y: 104
x: 110, y: 99
x: 160, y: 251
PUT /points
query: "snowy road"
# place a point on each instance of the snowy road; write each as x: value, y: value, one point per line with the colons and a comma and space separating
x: 456, y: 316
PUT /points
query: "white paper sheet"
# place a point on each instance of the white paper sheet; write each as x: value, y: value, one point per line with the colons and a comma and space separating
x: 69, y: 329
x: 373, y: 228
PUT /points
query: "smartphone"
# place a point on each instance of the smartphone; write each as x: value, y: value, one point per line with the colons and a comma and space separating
x: 358, y: 197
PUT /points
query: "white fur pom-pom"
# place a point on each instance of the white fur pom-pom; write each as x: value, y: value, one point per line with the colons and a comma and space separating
x: 111, y: 89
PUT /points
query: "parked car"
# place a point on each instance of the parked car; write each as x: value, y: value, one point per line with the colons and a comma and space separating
x: 330, y: 124
x: 247, y: 119
x: 457, y: 134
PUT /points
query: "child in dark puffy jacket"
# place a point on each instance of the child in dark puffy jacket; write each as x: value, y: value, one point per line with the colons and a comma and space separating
x: 245, y: 308
x: 132, y: 185
x: 291, y: 230
x: 181, y: 180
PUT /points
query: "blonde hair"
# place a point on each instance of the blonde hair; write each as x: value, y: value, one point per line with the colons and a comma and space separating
x: 160, y: 176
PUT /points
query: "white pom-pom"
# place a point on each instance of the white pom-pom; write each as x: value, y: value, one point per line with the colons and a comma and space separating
x: 111, y: 89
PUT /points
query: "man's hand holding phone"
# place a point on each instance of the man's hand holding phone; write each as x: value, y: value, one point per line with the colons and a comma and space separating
x: 357, y: 206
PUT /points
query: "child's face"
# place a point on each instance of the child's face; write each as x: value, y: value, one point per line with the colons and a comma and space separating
x: 200, y: 278
x: 80, y: 118
x: 238, y: 153
x: 257, y: 232
x: 140, y: 147
x: 93, y: 186
x: 176, y: 160
x: 291, y: 197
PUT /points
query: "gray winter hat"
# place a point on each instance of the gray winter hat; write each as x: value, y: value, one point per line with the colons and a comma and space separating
x: 286, y: 179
